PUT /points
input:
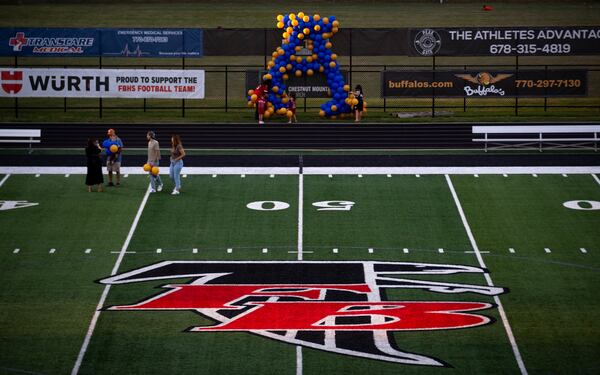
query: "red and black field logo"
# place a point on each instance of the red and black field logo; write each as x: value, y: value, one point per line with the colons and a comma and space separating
x: 339, y: 307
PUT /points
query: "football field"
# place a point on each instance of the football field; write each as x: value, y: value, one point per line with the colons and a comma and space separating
x: 302, y: 271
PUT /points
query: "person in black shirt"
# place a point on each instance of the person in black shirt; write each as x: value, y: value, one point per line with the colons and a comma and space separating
x: 94, y: 165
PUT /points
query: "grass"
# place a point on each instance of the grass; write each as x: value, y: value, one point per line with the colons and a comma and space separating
x: 210, y: 14
x: 552, y: 304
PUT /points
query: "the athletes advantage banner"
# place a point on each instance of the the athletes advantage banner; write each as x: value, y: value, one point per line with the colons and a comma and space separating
x: 101, y: 83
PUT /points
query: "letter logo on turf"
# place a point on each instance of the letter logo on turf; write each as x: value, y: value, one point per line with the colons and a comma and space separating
x: 339, y: 307
x: 11, y: 205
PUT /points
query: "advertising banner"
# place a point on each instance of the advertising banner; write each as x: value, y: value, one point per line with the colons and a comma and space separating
x: 503, y: 41
x: 101, y: 42
x: 152, y: 42
x: 484, y: 84
x: 101, y: 83
x: 49, y: 42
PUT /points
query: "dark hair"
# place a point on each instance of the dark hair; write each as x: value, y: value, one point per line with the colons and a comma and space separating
x: 177, y: 139
x: 293, y: 95
x: 359, y: 88
x: 151, y: 134
x: 91, y: 142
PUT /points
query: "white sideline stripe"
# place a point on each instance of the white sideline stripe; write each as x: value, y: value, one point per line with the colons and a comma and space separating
x: 488, y: 279
x: 300, y: 215
x: 593, y: 175
x: 126, y: 252
x: 303, y: 252
x: 298, y: 360
x: 481, y: 252
x: 4, y: 179
x: 323, y: 170
x: 96, y: 315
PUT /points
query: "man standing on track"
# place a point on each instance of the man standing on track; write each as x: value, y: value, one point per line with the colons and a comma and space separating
x: 113, y: 159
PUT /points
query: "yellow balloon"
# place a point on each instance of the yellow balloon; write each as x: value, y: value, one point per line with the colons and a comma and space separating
x: 254, y: 97
x: 346, y: 87
x: 300, y: 36
x: 334, y: 56
x: 289, y: 114
x: 270, y: 64
x: 275, y: 89
x: 306, y: 18
x: 289, y: 30
x: 298, y: 73
x: 316, y: 17
x: 298, y: 48
x: 285, y: 77
x: 279, y: 17
x: 354, y: 101
x: 317, y: 28
x: 328, y: 45
x: 364, y: 104
x: 292, y: 57
x: 301, y: 15
x: 280, y: 51
x: 335, y: 23
x: 306, y: 31
x: 310, y: 72
x: 289, y: 66
x: 333, y: 117
x: 334, y: 30
x: 147, y: 167
x: 250, y: 92
x: 315, y: 57
x: 321, y: 68
x: 294, y: 23
x: 282, y: 69
x: 322, y: 113
x: 155, y: 171
x: 334, y: 108
x: 285, y: 100
x: 309, y: 59
x: 298, y: 59
x: 332, y: 64
x: 280, y: 25
x: 285, y: 35
x: 250, y: 104
x: 267, y: 76
x: 292, y: 16
x: 267, y: 114
x: 325, y: 20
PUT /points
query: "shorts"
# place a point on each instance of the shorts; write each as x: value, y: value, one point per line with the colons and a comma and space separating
x: 113, y: 167
x: 261, y: 107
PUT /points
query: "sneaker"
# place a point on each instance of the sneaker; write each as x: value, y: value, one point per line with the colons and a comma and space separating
x: 175, y: 192
x: 159, y: 188
x: 152, y: 191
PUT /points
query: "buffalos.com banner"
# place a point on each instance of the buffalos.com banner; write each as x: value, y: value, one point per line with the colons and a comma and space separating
x: 500, y: 41
x: 484, y: 84
x: 101, y: 42
x: 101, y: 83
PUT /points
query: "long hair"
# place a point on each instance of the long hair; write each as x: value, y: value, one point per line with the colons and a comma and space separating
x: 91, y: 142
x: 175, y: 140
x: 151, y: 134
x: 359, y: 88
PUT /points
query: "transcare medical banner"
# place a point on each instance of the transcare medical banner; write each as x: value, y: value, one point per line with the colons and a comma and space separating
x: 101, y: 83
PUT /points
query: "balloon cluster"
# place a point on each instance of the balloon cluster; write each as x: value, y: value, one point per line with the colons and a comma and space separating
x: 313, y: 33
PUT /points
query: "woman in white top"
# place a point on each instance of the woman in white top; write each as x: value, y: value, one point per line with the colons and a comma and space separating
x: 177, y: 155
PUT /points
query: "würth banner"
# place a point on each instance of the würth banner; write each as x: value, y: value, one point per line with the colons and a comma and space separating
x: 101, y: 83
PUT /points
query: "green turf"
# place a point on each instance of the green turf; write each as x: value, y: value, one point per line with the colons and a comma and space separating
x: 552, y: 304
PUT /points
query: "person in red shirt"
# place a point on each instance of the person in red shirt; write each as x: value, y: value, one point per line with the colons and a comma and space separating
x: 261, y: 92
x: 292, y: 107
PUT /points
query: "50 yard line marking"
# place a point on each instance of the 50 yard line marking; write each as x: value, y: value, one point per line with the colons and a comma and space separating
x: 488, y: 279
x: 4, y: 180
x: 96, y: 315
x: 299, y: 369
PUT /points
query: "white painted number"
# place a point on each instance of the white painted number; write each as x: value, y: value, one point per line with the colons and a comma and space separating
x: 11, y: 205
x: 334, y: 205
x: 582, y: 205
x: 267, y: 205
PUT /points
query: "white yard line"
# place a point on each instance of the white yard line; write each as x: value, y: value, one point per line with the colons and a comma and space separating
x: 4, y: 180
x: 322, y: 170
x: 96, y: 315
x: 593, y: 175
x: 488, y: 279
x: 299, y: 365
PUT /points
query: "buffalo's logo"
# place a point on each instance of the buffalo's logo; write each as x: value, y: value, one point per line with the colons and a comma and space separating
x: 484, y: 78
x: 340, y: 307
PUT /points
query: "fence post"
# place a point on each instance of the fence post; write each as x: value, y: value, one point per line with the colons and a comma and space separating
x: 226, y: 87
x: 384, y: 98
x: 433, y: 90
x: 183, y: 100
x: 100, y: 99
x: 16, y: 99
x: 517, y: 88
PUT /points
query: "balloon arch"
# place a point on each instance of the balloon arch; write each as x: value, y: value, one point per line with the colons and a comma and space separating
x: 305, y: 50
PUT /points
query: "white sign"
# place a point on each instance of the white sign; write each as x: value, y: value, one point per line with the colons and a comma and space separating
x: 101, y: 83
